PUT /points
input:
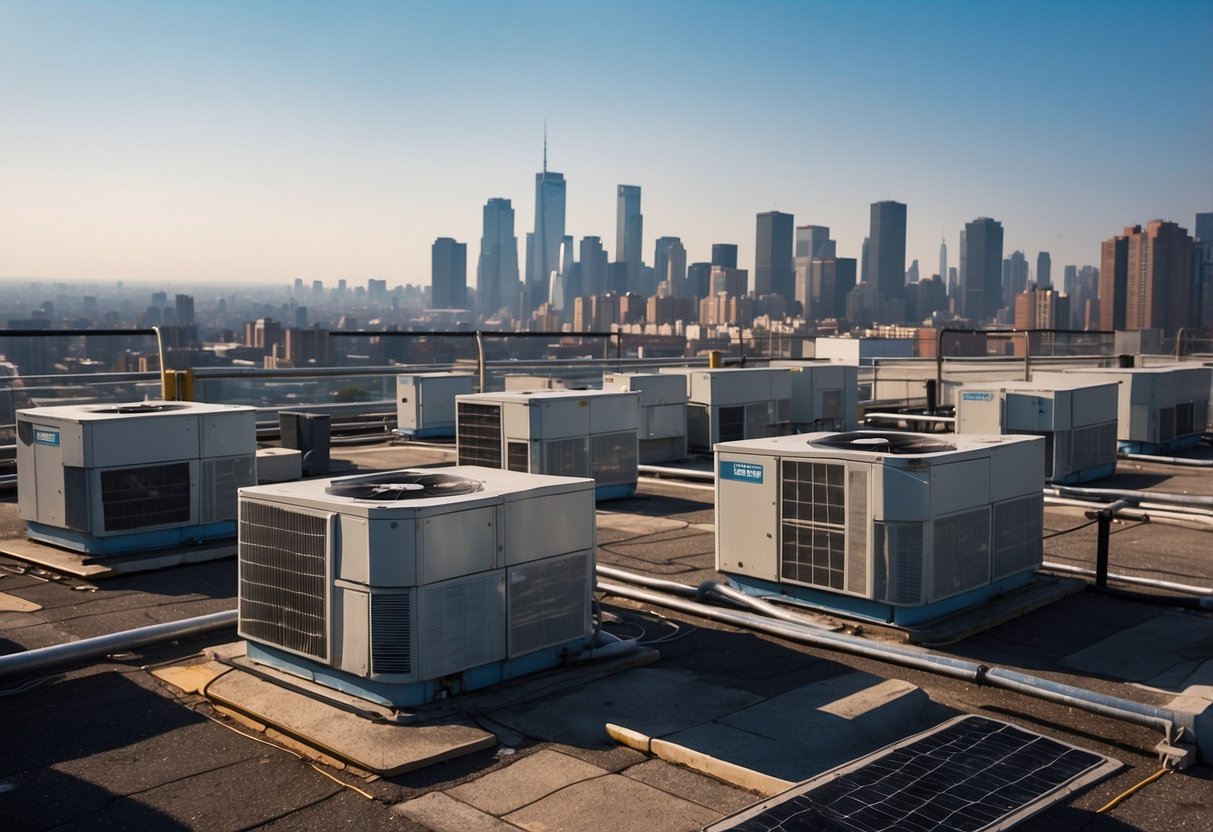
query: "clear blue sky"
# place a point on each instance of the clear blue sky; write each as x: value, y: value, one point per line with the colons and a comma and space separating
x: 262, y: 141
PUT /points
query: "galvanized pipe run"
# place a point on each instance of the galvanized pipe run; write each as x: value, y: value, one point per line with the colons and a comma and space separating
x: 50, y: 658
x: 1159, y: 719
x: 1135, y: 496
x: 1170, y: 460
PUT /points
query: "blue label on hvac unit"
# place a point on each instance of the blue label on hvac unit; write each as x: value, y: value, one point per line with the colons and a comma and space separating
x: 42, y: 436
x: 741, y: 471
x: 976, y: 397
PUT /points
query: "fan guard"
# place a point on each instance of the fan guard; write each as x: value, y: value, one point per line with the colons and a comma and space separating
x: 884, y: 442
x: 141, y: 407
x: 406, y: 485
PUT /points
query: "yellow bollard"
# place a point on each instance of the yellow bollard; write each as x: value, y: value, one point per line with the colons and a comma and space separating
x: 714, y: 359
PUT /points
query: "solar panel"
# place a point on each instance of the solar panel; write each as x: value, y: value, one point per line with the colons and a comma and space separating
x: 969, y: 774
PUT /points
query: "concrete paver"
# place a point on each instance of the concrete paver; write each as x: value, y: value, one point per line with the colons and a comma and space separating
x: 717, y: 796
x: 525, y: 781
x: 655, y: 701
x: 1134, y: 655
x: 613, y: 802
x: 443, y: 813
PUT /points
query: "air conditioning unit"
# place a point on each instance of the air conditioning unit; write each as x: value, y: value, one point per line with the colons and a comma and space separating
x: 894, y: 527
x: 1158, y: 408
x: 425, y: 403
x: 1077, y: 421
x: 727, y: 404
x: 111, y: 479
x: 582, y: 433
x: 825, y: 394
x: 663, y: 413
x: 403, y: 586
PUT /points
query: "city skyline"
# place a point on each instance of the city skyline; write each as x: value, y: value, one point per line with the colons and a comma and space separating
x: 260, y: 144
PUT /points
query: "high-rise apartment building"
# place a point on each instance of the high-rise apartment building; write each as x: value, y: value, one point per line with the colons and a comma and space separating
x: 887, y: 248
x: 1114, y: 279
x: 543, y: 245
x: 773, y: 272
x: 981, y: 269
x: 1042, y: 309
x: 497, y: 268
x: 629, y: 233
x: 448, y: 274
x: 1159, y: 276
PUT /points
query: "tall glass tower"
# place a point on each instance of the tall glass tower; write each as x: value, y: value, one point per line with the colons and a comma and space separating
x: 629, y: 233
x: 544, y: 254
x: 497, y: 269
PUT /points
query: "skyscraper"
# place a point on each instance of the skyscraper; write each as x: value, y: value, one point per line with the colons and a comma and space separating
x: 497, y: 268
x: 448, y: 274
x: 593, y: 259
x: 1044, y: 271
x: 1014, y: 278
x: 887, y: 249
x: 1114, y: 279
x: 773, y: 272
x: 1159, y: 276
x: 1202, y: 273
x: 943, y: 263
x: 981, y: 269
x: 544, y: 252
x: 724, y: 254
x: 670, y: 265
x: 814, y: 241
x: 629, y: 234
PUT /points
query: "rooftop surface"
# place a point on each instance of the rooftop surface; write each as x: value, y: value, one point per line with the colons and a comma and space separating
x: 109, y: 745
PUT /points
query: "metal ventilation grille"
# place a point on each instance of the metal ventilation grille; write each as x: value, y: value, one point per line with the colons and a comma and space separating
x: 1185, y: 421
x: 759, y: 420
x: 137, y: 498
x: 462, y: 624
x: 549, y: 602
x: 897, y: 562
x: 813, y: 527
x: 967, y: 775
x: 283, y: 579
x: 1018, y: 535
x: 75, y: 498
x: 613, y: 457
x: 961, y: 559
x: 479, y: 434
x: 220, y: 479
x: 1166, y: 424
x: 518, y: 456
x: 857, y: 531
x: 565, y: 457
x: 1093, y: 446
x: 391, y: 633
x: 731, y: 425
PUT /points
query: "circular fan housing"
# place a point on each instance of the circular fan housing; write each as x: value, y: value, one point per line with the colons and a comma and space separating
x: 884, y: 442
x: 409, y: 485
x: 142, y: 407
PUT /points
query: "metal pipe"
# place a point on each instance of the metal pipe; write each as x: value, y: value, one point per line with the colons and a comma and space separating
x: 910, y: 417
x: 48, y: 658
x: 1160, y: 719
x: 1135, y: 496
x: 685, y: 473
x: 1170, y: 460
x: 1135, y: 580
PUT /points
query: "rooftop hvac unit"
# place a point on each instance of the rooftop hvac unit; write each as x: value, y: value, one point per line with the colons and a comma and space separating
x: 663, y: 413
x: 110, y: 479
x: 583, y: 433
x: 728, y: 404
x: 1077, y: 421
x: 825, y: 394
x: 1158, y: 408
x: 403, y: 586
x: 425, y: 403
x: 895, y: 527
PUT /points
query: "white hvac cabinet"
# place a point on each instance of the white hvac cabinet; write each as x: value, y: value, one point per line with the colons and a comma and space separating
x: 894, y: 527
x: 1158, y: 408
x: 111, y: 479
x: 825, y: 395
x: 731, y: 403
x: 425, y: 403
x: 663, y: 413
x: 405, y: 586
x: 1077, y: 421
x: 577, y: 433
